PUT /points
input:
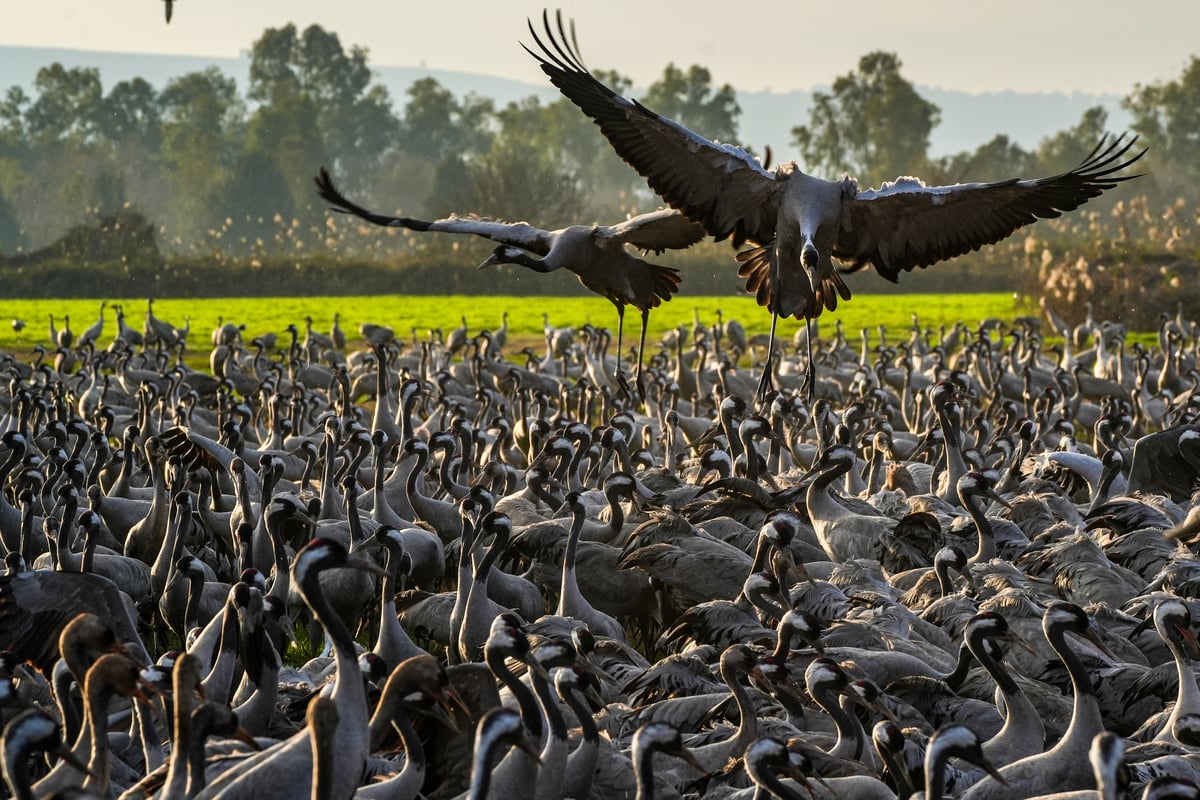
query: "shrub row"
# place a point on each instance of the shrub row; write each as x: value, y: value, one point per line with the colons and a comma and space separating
x: 62, y: 275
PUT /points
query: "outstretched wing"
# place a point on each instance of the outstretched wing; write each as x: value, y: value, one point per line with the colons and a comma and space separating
x: 36, y: 605
x: 665, y: 229
x: 907, y: 224
x: 197, y: 450
x: 517, y: 234
x: 720, y: 186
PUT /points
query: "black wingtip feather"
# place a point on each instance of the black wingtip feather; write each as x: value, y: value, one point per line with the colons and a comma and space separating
x: 659, y: 149
x: 330, y: 194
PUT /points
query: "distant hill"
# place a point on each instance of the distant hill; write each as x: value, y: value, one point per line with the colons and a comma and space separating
x: 968, y: 120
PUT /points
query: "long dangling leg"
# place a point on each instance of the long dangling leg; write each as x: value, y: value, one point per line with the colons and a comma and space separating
x: 765, y: 383
x: 810, y: 372
x: 640, y: 380
x: 622, y: 384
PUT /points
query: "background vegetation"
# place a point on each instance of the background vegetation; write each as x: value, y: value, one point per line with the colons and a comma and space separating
x: 412, y: 317
x: 204, y: 188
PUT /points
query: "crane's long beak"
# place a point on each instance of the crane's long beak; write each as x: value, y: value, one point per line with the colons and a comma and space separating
x: 970, y: 579
x: 592, y: 694
x: 443, y: 711
x: 690, y: 758
x: 1013, y: 638
x: 362, y: 561
x: 439, y: 712
x: 1189, y: 526
x: 142, y: 691
x: 993, y: 495
x: 644, y: 491
x: 792, y: 770
x: 870, y: 705
x: 247, y: 738
x: 1093, y: 635
x: 990, y: 769
x: 366, y: 545
x: 66, y: 755
x: 1189, y: 639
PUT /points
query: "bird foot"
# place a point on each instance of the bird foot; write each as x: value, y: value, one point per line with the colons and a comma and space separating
x: 765, y: 384
x: 640, y: 382
x: 810, y: 381
x: 623, y: 385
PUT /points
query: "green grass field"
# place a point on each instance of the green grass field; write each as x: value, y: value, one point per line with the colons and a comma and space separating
x: 404, y: 313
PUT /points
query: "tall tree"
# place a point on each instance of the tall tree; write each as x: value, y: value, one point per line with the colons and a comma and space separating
x: 611, y: 188
x: 67, y: 107
x: 328, y: 72
x: 318, y: 105
x: 10, y: 226
x: 998, y: 159
x: 438, y: 135
x: 287, y: 132
x: 273, y: 73
x: 203, y: 117
x: 14, y: 139
x: 355, y: 115
x: 130, y: 130
x: 1063, y: 150
x: 364, y: 136
x: 518, y: 178
x: 872, y: 124
x: 256, y: 192
x: 690, y: 99
x: 436, y: 124
x: 131, y: 111
x: 60, y: 181
x: 1167, y: 117
x: 199, y: 106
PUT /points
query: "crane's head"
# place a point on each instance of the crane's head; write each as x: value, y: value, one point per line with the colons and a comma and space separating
x: 809, y: 254
x: 505, y: 254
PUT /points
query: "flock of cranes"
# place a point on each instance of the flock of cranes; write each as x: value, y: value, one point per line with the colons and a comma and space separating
x: 943, y: 566
x: 965, y: 569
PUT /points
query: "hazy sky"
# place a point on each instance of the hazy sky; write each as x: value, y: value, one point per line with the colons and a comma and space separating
x: 1028, y: 45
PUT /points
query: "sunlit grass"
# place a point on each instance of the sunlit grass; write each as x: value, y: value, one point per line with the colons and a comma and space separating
x: 420, y: 314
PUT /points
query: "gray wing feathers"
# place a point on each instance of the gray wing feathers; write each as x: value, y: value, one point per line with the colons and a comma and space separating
x: 906, y: 224
x: 665, y: 229
x: 720, y: 186
x: 517, y: 234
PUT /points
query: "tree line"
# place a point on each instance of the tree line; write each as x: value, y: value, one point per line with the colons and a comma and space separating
x: 211, y: 173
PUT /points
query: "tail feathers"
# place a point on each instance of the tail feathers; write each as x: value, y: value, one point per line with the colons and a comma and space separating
x: 795, y: 296
x: 666, y: 283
